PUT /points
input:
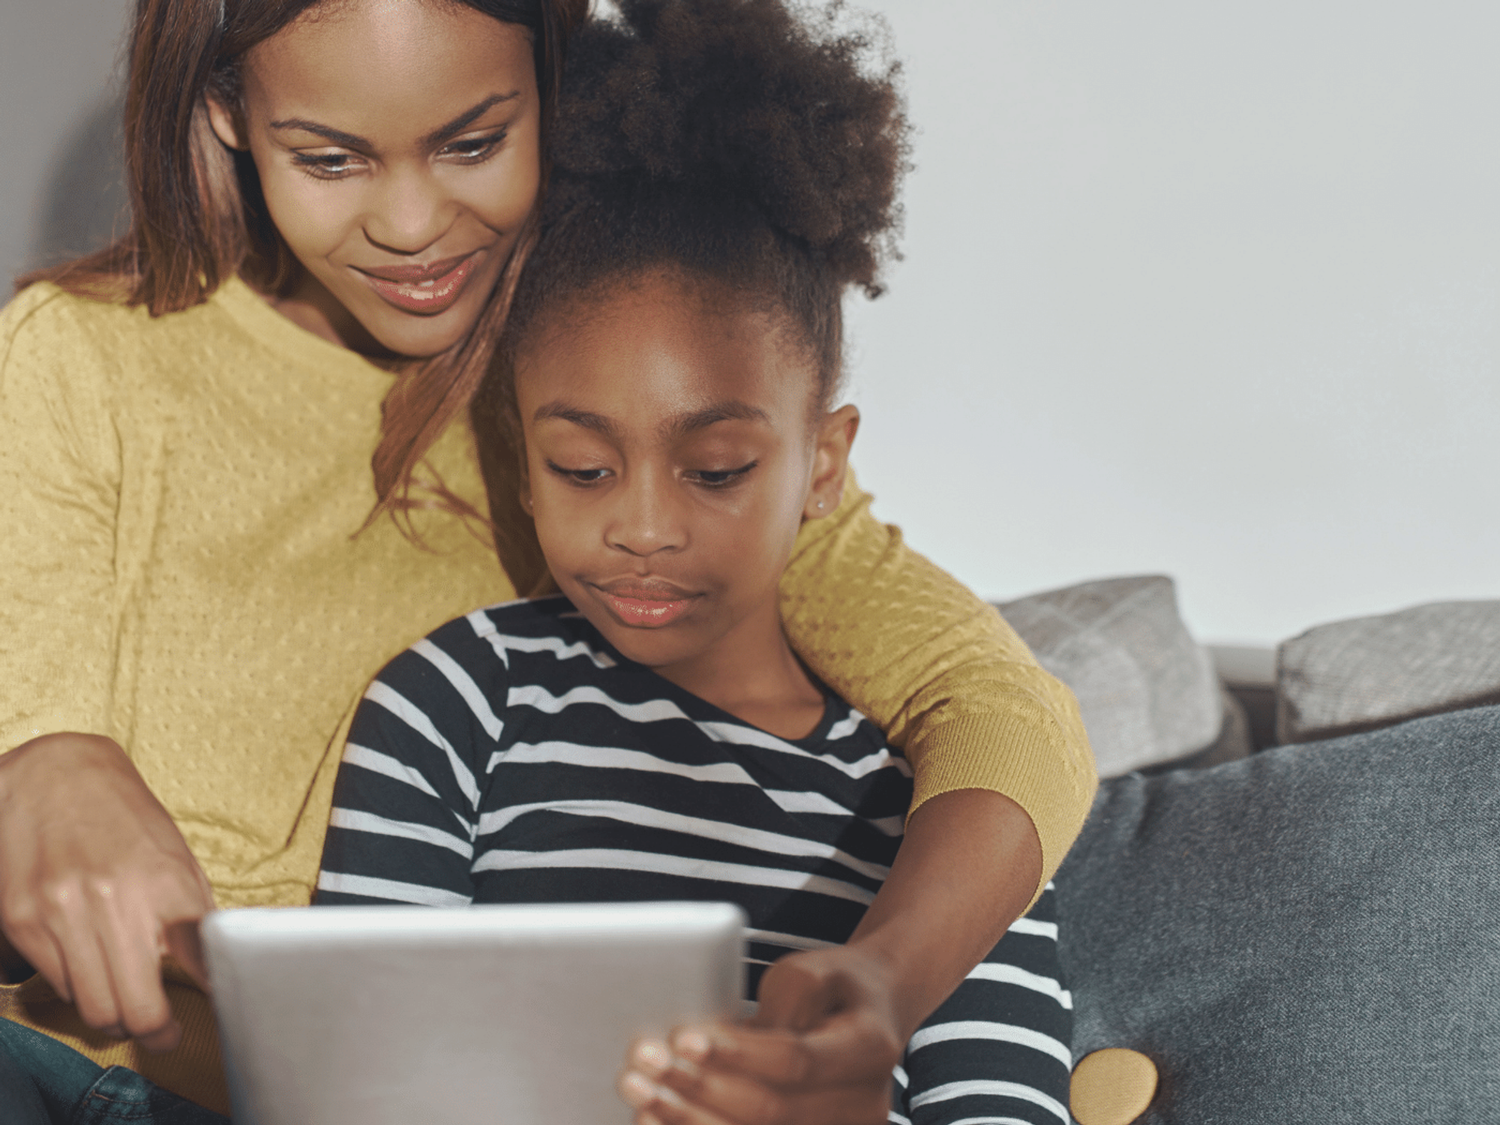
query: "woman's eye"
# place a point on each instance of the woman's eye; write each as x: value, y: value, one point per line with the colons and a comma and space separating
x: 326, y: 165
x: 474, y: 150
x: 719, y: 478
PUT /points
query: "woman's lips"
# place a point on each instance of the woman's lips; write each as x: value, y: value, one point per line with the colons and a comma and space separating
x: 429, y: 289
x: 646, y: 605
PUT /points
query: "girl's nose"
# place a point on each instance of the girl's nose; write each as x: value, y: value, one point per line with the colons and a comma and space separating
x: 647, y: 517
x: 408, y: 212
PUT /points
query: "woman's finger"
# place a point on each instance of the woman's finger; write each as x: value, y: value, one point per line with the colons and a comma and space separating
x: 132, y: 955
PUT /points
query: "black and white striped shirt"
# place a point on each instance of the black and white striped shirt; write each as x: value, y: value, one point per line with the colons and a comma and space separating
x: 513, y: 756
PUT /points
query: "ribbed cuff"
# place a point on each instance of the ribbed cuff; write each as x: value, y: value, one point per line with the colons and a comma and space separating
x: 1022, y: 754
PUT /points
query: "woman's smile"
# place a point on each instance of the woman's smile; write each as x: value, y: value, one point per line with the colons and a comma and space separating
x: 429, y: 289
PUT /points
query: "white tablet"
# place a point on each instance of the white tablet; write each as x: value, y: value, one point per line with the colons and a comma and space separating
x: 403, y: 1015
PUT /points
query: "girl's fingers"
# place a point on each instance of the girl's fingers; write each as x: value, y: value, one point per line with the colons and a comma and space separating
x: 712, y: 1098
x: 852, y: 1047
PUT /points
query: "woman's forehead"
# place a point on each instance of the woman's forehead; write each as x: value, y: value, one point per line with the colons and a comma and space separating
x: 388, y: 66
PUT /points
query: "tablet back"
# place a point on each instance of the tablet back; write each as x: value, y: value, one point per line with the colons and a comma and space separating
x: 512, y: 1015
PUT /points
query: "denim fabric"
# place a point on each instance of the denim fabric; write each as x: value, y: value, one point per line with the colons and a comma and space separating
x: 44, y: 1082
x: 1311, y: 934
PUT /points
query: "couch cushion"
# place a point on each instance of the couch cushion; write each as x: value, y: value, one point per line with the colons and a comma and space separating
x: 1147, y: 690
x: 1374, y: 671
x: 1306, y: 935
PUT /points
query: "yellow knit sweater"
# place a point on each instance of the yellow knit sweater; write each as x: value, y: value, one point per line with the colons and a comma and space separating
x: 180, y: 571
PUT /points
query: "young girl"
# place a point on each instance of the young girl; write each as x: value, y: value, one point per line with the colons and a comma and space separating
x: 332, y: 201
x: 671, y: 365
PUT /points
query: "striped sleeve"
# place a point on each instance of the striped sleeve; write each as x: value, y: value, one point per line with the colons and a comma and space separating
x: 998, y: 1051
x: 406, y: 801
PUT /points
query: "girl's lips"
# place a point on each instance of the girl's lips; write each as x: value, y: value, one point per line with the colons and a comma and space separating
x: 422, y: 289
x: 647, y: 609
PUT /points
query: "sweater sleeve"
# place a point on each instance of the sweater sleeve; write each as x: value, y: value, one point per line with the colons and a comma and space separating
x: 59, y: 493
x: 939, y: 671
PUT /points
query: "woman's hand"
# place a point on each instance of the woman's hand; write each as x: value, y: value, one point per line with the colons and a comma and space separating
x: 819, y: 1051
x: 97, y: 883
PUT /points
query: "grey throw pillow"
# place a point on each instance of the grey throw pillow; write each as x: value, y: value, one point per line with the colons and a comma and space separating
x: 1147, y: 691
x: 1374, y: 671
x: 1307, y: 935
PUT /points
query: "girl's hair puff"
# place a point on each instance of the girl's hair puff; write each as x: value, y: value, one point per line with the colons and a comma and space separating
x: 741, y: 141
x: 197, y: 217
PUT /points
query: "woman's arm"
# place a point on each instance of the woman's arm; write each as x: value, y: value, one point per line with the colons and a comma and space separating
x: 939, y: 671
x: 94, y: 876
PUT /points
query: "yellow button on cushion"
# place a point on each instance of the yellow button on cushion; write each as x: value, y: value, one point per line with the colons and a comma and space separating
x: 1112, y: 1087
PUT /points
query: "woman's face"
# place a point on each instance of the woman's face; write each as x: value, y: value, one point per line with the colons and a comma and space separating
x: 398, y: 149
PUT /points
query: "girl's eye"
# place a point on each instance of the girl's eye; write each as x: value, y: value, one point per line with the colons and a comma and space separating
x: 326, y: 165
x: 719, y: 478
x: 579, y: 476
x: 474, y: 150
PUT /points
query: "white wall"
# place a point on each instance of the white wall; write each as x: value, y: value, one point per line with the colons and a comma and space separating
x: 1205, y: 289
x: 1202, y: 289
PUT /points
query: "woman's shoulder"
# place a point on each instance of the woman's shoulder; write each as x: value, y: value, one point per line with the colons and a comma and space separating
x: 47, y: 326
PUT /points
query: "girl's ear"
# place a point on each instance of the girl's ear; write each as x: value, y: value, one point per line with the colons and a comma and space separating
x: 227, y: 122
x: 831, y: 461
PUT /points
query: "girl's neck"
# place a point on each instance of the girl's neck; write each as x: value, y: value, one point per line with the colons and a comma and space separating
x: 753, y: 674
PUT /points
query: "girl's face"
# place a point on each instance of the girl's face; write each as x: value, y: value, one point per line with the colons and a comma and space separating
x: 671, y: 459
x: 398, y: 149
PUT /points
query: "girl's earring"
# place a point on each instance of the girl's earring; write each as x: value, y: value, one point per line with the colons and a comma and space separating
x: 820, y: 505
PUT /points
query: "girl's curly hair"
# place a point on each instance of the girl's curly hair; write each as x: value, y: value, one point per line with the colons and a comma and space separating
x: 738, y: 140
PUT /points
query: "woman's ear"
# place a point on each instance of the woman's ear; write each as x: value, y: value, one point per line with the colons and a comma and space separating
x: 227, y: 122
x: 831, y: 461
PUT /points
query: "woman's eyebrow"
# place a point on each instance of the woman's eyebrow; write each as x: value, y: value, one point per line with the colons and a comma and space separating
x: 437, y: 136
x: 467, y: 118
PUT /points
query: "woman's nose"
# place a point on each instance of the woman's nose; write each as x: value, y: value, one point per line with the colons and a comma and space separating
x: 647, y: 516
x: 409, y: 211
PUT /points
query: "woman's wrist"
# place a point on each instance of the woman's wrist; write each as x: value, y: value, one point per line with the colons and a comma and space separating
x: 966, y: 870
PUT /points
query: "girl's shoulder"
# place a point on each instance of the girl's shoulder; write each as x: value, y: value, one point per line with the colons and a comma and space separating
x: 525, y: 641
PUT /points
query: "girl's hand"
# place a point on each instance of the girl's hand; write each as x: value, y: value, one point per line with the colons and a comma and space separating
x: 819, y: 1051
x: 97, y: 884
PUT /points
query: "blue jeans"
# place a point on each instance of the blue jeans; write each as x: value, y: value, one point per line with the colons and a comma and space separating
x: 44, y: 1082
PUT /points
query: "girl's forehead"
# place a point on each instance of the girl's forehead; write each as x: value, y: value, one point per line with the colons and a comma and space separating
x: 658, y: 347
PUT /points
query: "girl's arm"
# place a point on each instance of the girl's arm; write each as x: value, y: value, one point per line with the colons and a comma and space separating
x: 404, y: 807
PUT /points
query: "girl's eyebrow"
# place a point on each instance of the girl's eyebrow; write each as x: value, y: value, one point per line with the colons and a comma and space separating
x: 676, y: 426
x: 437, y: 136
x: 680, y: 425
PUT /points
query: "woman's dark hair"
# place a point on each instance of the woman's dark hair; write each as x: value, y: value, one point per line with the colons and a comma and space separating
x: 740, y: 142
x: 198, y: 218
